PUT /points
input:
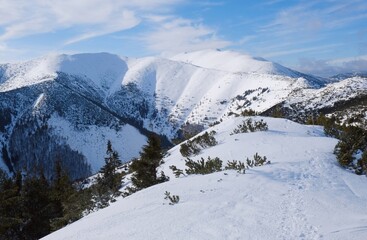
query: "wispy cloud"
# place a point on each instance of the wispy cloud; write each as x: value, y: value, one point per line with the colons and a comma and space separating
x: 94, y: 17
x: 210, y: 3
x: 172, y: 35
x: 328, y: 68
x: 310, y: 16
x: 301, y: 50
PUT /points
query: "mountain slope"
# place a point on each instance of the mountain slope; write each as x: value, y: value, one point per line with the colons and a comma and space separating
x: 90, y: 94
x: 302, y: 194
x: 346, y: 100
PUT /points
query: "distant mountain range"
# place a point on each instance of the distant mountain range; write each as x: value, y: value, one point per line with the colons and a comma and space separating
x: 66, y: 107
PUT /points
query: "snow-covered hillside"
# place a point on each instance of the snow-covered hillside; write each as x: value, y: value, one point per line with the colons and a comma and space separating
x: 327, y: 97
x: 231, y: 61
x: 302, y: 194
x: 94, y: 94
x: 198, y: 87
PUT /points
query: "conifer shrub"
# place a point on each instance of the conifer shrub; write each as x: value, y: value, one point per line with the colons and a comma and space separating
x: 250, y: 126
x: 194, y: 146
x: 257, y: 161
x: 361, y: 167
x: 174, y: 199
x: 248, y: 113
x: 236, y: 165
x: 352, y: 140
x: 202, y: 166
x: 177, y: 172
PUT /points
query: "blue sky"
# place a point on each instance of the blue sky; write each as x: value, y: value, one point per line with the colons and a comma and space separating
x: 322, y: 37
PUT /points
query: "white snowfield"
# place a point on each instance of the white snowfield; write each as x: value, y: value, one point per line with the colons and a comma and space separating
x: 302, y: 194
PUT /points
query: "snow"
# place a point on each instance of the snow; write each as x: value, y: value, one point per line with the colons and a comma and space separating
x: 329, y: 95
x: 302, y: 194
x: 192, y: 93
x: 92, y: 140
x: 198, y: 87
x: 231, y: 61
x: 104, y: 69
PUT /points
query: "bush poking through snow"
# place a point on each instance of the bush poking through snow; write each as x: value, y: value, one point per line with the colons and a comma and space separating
x: 202, y: 166
x: 174, y: 199
x: 257, y: 161
x: 236, y: 165
x: 249, y: 126
x: 176, y: 171
x: 193, y: 147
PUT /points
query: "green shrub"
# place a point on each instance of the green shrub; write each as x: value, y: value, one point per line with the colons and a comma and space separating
x: 202, y: 166
x: 249, y: 126
x: 257, y: 161
x: 174, y: 199
x: 352, y: 140
x: 236, y: 165
x: 194, y: 146
x: 176, y: 171
x: 248, y: 113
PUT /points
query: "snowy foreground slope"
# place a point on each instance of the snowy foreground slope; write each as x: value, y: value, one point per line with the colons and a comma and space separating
x: 302, y: 194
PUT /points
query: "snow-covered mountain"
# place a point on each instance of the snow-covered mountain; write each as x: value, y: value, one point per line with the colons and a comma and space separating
x: 302, y: 194
x: 346, y: 100
x: 66, y: 107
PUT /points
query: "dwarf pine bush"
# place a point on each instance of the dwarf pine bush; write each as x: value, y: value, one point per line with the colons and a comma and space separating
x: 174, y: 199
x: 250, y: 126
x: 236, y: 165
x: 194, y: 146
x: 176, y: 171
x: 202, y: 166
x: 257, y: 161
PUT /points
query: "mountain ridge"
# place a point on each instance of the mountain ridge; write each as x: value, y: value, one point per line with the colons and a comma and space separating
x: 151, y: 94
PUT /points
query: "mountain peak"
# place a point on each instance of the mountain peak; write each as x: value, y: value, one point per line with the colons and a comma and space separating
x: 230, y: 61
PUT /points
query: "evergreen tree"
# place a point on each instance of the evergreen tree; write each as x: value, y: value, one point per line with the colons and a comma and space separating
x: 110, y: 179
x: 11, y: 219
x: 39, y: 208
x: 145, y: 168
x: 66, y: 199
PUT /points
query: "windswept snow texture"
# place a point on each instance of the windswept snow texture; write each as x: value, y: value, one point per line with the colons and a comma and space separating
x: 302, y: 194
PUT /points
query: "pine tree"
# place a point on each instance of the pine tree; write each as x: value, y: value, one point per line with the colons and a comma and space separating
x: 145, y: 168
x: 38, y: 207
x: 110, y: 179
x: 65, y: 198
x: 11, y: 218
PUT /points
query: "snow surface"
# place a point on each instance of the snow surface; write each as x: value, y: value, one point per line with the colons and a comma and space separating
x: 302, y: 194
x: 201, y: 95
x: 330, y: 94
x: 198, y: 87
x: 92, y: 140
x: 231, y: 61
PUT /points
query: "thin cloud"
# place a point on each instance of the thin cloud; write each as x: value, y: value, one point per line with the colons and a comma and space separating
x: 175, y: 35
x: 327, y: 68
x: 300, y: 50
x: 210, y: 3
x: 130, y: 21
x: 93, y: 17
